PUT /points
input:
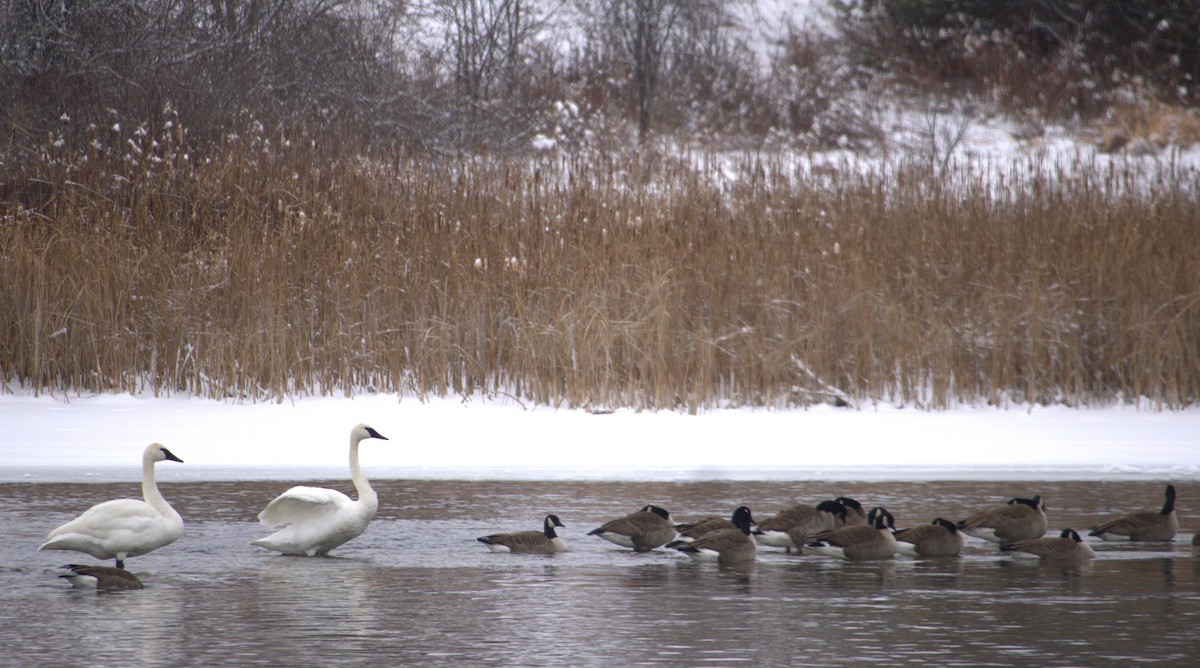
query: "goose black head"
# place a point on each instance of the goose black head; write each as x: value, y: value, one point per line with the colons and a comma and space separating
x: 661, y: 512
x: 551, y: 522
x: 1035, y: 503
x: 883, y: 519
x: 878, y: 512
x: 835, y: 508
x: 849, y: 503
x: 742, y: 519
x: 946, y: 524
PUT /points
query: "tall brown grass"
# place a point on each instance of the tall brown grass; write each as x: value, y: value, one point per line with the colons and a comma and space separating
x: 274, y: 267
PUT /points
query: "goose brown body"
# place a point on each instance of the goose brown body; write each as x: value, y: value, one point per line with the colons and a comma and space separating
x: 726, y: 546
x: 1146, y: 525
x: 103, y: 578
x: 790, y: 527
x: 546, y: 541
x: 705, y: 525
x: 1019, y: 519
x: 643, y: 531
x: 859, y: 542
x: 940, y: 538
x: 1067, y: 545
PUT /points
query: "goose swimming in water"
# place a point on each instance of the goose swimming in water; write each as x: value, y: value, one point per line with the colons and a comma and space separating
x: 643, y: 531
x: 791, y: 527
x: 689, y: 531
x: 858, y: 542
x: 940, y: 538
x: 1067, y: 545
x: 727, y: 546
x: 103, y: 578
x: 1019, y: 519
x: 320, y: 519
x: 546, y: 541
x: 1144, y: 525
x: 124, y: 528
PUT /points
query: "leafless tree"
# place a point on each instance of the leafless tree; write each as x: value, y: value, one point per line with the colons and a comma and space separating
x: 486, y: 38
x: 645, y: 38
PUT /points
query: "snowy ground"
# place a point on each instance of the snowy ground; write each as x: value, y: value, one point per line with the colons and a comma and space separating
x: 101, y: 438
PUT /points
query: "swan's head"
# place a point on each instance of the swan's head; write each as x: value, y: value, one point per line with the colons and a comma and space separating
x: 157, y: 452
x: 363, y: 432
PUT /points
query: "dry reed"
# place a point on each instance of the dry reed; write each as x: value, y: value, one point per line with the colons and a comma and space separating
x: 272, y: 268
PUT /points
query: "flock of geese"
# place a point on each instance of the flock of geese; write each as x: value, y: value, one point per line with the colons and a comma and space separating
x: 316, y: 520
x: 840, y: 528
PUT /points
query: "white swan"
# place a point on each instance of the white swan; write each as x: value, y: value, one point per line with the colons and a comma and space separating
x: 124, y: 528
x: 320, y: 519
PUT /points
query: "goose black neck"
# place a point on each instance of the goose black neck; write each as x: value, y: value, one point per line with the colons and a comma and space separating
x: 742, y: 520
x: 1169, y: 504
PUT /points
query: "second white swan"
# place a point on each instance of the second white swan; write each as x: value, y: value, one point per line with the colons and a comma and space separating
x: 321, y: 519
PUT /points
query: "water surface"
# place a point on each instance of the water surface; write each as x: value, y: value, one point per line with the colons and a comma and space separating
x: 417, y: 588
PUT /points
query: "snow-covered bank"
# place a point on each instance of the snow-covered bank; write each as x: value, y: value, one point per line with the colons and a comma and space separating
x: 101, y: 438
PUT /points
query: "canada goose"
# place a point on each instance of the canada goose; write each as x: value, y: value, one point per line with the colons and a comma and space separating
x: 1145, y: 525
x: 124, y: 528
x: 643, y: 531
x: 858, y: 542
x: 940, y: 538
x: 1068, y: 545
x: 723, y: 545
x: 798, y: 522
x: 545, y: 541
x: 321, y: 519
x: 1019, y: 519
x: 854, y: 512
x: 824, y: 516
x: 105, y: 578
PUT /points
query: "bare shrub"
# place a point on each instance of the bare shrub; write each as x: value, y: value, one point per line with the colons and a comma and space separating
x: 1065, y: 59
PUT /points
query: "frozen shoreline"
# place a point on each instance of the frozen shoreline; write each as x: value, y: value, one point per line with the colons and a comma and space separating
x: 99, y: 439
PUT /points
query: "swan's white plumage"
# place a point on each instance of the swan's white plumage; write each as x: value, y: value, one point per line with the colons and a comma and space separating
x: 303, y: 503
x: 320, y: 519
x: 124, y: 528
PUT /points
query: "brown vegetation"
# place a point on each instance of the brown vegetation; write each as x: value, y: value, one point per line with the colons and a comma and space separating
x: 275, y: 265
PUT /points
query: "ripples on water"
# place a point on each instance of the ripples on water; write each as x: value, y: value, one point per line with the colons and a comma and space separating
x: 417, y: 588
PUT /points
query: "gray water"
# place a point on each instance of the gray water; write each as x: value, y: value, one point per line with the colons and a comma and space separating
x: 417, y: 589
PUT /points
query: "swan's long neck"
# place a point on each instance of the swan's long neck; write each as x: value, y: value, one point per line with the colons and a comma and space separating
x: 356, y: 475
x: 150, y: 487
